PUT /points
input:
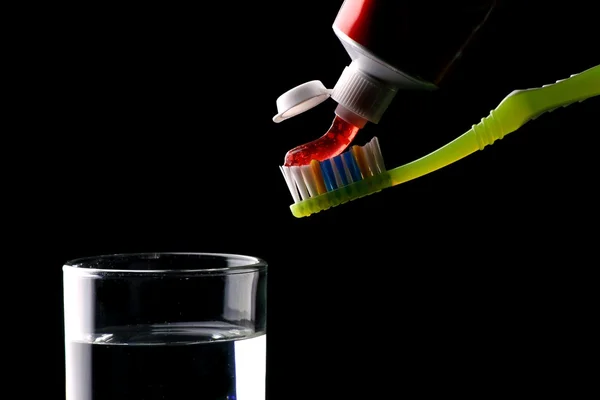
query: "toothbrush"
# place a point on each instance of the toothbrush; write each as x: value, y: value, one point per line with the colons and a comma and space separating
x: 360, y: 170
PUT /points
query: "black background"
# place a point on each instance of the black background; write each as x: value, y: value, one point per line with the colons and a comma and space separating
x: 157, y: 136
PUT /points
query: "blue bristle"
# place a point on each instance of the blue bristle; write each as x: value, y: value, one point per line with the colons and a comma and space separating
x: 340, y: 167
x: 352, y: 166
x: 328, y: 175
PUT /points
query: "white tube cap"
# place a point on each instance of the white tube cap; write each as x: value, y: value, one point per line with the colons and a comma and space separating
x: 299, y: 99
x: 363, y: 94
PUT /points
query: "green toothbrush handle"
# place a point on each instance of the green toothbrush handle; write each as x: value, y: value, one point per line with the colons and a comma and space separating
x: 513, y: 112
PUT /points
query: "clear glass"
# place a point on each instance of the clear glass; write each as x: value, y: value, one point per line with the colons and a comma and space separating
x: 165, y: 326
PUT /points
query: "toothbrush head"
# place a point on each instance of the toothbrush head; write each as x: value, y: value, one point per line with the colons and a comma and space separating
x: 358, y: 172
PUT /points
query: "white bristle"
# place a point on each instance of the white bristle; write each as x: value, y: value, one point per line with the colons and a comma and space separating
x: 309, y: 180
x: 297, y: 174
x: 374, y: 150
x: 371, y: 159
x: 347, y: 171
x: 377, y: 153
x: 368, y: 173
x: 290, y: 183
x: 336, y: 173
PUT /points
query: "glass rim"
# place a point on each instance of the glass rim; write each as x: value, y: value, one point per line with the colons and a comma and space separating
x: 242, y: 264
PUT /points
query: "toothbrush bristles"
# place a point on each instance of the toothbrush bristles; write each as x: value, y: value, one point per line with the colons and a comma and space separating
x: 355, y: 164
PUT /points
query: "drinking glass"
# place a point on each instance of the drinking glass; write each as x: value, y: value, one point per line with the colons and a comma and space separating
x: 165, y: 326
